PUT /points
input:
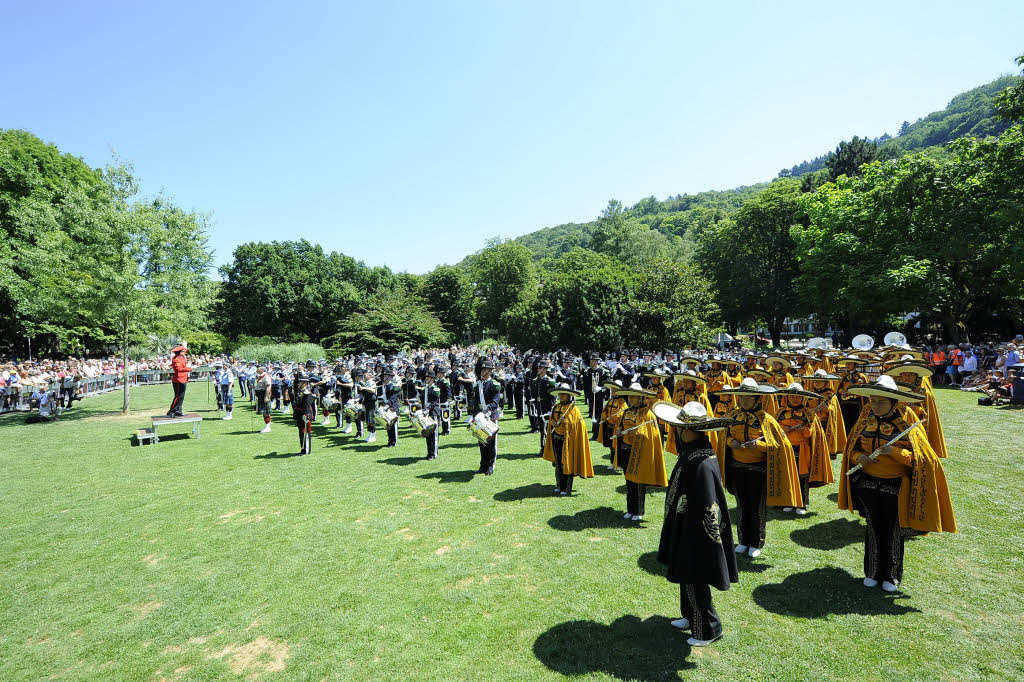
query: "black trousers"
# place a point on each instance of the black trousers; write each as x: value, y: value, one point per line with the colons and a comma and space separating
x: 542, y: 424
x: 445, y: 425
x: 805, y: 489
x: 520, y: 401
x: 562, y: 481
x: 431, y: 439
x: 393, y: 433
x: 179, y: 397
x: 488, y: 454
x: 636, y: 493
x: 697, y: 607
x: 750, y: 485
x: 883, y: 539
x: 595, y: 413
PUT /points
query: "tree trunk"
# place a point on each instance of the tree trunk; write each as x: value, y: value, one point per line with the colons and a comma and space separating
x: 126, y: 407
x: 956, y: 330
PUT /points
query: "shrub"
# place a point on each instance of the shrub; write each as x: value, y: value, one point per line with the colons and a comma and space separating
x: 280, y: 352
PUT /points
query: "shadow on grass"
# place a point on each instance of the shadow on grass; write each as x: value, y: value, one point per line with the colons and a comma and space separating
x: 451, y: 476
x: 525, y: 492
x: 649, y: 563
x: 601, y: 517
x: 834, y: 534
x: 628, y: 649
x: 823, y: 592
x: 278, y: 455
x: 517, y: 456
x: 400, y: 461
x: 834, y: 497
x: 744, y: 564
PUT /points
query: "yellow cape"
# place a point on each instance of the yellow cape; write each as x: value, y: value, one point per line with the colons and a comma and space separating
x: 924, y: 501
x: 611, y: 415
x: 817, y: 465
x: 576, y: 451
x: 780, y: 464
x: 647, y: 460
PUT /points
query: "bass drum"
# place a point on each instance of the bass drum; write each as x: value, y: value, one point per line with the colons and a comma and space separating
x: 446, y: 414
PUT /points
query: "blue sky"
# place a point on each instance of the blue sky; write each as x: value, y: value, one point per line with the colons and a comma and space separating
x: 405, y: 134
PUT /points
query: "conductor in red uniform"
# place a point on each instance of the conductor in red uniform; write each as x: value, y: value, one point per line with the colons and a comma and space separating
x: 181, y: 371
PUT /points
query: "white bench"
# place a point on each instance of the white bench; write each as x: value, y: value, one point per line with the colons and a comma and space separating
x: 192, y: 418
x: 143, y: 435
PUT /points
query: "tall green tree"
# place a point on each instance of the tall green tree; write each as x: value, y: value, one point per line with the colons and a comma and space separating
x: 671, y: 303
x: 392, y: 320
x: 503, y: 274
x: 752, y: 260
x: 923, y: 234
x: 850, y: 156
x: 448, y: 291
x: 1010, y: 103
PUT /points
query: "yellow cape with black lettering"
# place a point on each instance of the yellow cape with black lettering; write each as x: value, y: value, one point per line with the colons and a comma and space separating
x: 780, y: 464
x: 576, y: 451
x: 924, y: 501
x: 647, y: 461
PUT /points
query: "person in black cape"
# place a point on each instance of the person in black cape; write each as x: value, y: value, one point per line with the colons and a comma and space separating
x: 696, y: 538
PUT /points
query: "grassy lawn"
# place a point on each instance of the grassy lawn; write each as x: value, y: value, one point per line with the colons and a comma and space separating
x: 227, y: 557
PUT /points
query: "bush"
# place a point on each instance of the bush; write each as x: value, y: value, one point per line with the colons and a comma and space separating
x: 487, y: 344
x: 206, y: 343
x: 279, y: 352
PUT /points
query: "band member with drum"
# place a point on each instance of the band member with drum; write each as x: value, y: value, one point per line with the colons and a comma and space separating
x: 757, y: 463
x: 696, y: 536
x: 262, y: 391
x: 568, y: 442
x: 343, y: 386
x: 900, y: 488
x: 368, y: 396
x: 392, y: 403
x: 484, y: 397
x: 432, y: 401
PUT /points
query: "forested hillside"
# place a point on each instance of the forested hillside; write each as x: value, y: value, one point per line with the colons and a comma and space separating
x: 969, y: 113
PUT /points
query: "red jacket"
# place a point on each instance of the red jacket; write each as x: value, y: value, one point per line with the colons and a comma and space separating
x: 181, y: 369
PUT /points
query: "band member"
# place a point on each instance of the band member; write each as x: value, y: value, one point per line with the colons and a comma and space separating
x: 726, y: 403
x: 225, y: 390
x: 900, y: 489
x: 594, y: 379
x: 455, y: 379
x: 368, y: 396
x: 802, y: 427
x: 304, y: 412
x: 432, y: 401
x: 611, y: 415
x: 689, y: 388
x: 484, y: 397
x: 696, y: 536
x: 850, y: 375
x: 717, y: 379
x: 519, y: 392
x: 657, y: 386
x: 343, y: 387
x: 913, y: 375
x: 757, y: 464
x: 831, y: 417
x: 444, y: 420
x: 542, y: 386
x: 393, y: 403
x: 262, y: 390
x: 181, y: 370
x: 779, y: 369
x: 568, y: 442
x: 734, y: 370
x: 638, y: 450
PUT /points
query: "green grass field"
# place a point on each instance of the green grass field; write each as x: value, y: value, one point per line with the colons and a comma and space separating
x: 227, y: 557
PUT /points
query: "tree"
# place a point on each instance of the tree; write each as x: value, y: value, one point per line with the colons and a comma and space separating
x: 850, y: 156
x: 449, y: 293
x: 671, y: 303
x: 933, y: 235
x: 903, y: 128
x: 578, y: 306
x: 392, y: 320
x: 503, y: 274
x: 1010, y: 102
x: 751, y: 260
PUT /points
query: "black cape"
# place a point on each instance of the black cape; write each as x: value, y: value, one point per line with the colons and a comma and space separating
x: 696, y: 538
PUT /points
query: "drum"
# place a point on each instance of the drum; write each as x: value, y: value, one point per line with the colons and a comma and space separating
x: 482, y: 427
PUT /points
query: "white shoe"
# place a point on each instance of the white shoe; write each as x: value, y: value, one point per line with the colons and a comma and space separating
x: 564, y: 494
x: 348, y: 429
x: 693, y: 641
x: 753, y: 552
x: 740, y: 549
x: 801, y: 512
x: 325, y: 421
x: 681, y: 623
x: 372, y: 438
x: 227, y: 417
x: 787, y: 509
x: 889, y: 587
x: 627, y: 515
x: 637, y: 517
x: 870, y: 582
x: 265, y: 429
x: 558, y: 490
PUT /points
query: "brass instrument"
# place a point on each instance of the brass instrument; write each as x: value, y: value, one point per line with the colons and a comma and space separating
x: 863, y: 342
x: 894, y: 339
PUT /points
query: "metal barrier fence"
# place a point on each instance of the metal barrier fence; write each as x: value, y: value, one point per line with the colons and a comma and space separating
x: 16, y: 398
